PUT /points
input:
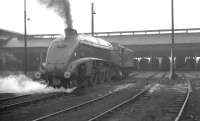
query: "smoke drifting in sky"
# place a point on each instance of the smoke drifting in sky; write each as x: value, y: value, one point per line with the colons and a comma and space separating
x: 62, y: 7
x: 21, y: 84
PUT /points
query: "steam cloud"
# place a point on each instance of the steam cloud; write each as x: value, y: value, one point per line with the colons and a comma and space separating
x: 62, y: 7
x: 20, y: 84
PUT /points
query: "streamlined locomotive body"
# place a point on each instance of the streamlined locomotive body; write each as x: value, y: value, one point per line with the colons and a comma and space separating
x: 78, y: 60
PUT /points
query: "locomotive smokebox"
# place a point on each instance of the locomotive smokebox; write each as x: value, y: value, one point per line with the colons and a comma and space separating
x: 70, y: 34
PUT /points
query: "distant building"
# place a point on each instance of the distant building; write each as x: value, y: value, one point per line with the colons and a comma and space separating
x: 12, y: 50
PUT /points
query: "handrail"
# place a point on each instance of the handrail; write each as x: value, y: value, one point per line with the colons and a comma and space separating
x: 145, y: 32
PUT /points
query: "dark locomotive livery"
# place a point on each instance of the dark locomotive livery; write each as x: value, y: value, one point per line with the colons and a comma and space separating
x: 80, y: 60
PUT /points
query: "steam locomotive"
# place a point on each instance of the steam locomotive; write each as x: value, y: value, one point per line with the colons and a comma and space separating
x: 81, y: 60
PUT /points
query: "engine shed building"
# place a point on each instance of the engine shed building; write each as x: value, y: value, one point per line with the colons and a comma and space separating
x: 12, y: 50
x: 152, y: 49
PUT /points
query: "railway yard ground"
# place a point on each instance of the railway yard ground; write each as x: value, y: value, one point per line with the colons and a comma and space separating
x: 144, y: 96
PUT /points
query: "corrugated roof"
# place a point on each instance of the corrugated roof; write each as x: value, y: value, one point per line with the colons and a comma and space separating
x: 9, y: 32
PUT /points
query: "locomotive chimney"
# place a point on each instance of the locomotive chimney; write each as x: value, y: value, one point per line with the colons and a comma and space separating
x: 70, y: 34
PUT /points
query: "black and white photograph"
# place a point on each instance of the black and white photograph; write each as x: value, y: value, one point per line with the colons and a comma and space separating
x: 99, y: 60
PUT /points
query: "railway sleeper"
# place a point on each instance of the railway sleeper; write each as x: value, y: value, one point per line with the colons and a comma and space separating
x: 168, y: 117
x: 174, y: 107
x: 173, y: 111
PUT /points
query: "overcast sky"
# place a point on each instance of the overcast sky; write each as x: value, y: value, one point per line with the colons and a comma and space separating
x: 111, y: 15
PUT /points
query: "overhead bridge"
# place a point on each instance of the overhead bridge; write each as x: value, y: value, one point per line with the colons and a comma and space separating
x: 156, y: 42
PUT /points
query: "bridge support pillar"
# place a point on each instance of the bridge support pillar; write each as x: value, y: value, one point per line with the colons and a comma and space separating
x: 160, y: 63
x: 196, y: 64
x: 172, y: 74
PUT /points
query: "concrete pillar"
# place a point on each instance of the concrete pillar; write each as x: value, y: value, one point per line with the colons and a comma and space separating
x: 160, y: 62
x: 196, y: 63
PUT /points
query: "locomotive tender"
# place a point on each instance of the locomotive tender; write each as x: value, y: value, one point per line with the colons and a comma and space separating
x: 79, y: 60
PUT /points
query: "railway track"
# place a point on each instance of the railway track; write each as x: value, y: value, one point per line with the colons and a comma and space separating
x: 81, y: 107
x: 13, y: 97
x: 88, y: 103
x: 174, y: 110
x: 17, y: 101
x: 104, y: 115
x: 26, y: 99
x: 16, y: 105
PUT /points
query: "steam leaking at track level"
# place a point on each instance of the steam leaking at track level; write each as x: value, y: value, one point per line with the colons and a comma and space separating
x: 21, y: 84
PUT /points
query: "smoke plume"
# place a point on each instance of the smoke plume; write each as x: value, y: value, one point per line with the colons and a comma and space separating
x: 20, y: 84
x: 62, y: 7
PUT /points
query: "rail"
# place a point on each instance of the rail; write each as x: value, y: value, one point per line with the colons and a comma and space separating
x: 13, y: 97
x: 107, y: 112
x: 185, y: 102
x: 52, y: 36
x: 5, y: 107
x: 118, y: 106
x: 74, y: 107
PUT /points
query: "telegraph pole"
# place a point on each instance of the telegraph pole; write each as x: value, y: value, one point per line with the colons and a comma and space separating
x: 25, y: 40
x: 92, y: 18
x: 172, y: 73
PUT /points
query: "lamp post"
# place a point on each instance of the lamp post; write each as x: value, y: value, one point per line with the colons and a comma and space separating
x: 172, y: 73
x: 92, y: 18
x: 25, y: 40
